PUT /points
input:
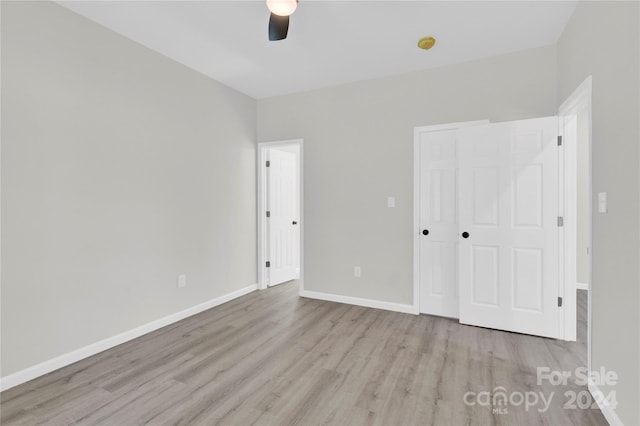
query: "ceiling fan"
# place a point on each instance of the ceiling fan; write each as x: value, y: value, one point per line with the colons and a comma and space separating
x: 279, y: 19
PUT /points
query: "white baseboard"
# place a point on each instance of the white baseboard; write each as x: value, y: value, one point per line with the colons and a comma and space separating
x: 45, y: 367
x: 608, y: 412
x: 387, y: 306
x: 582, y: 286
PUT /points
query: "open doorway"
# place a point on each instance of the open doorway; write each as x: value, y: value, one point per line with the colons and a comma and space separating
x: 280, y: 212
x: 575, y: 128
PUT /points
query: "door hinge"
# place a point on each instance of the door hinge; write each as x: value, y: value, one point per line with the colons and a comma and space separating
x: 559, y: 302
x: 559, y: 140
x: 560, y: 221
x: 268, y: 264
x: 268, y: 214
x: 268, y: 163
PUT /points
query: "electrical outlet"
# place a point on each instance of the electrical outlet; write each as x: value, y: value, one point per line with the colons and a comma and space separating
x: 182, y: 280
x: 357, y: 272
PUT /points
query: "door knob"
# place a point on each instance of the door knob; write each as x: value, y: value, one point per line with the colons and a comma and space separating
x: 295, y: 223
x: 465, y: 235
x: 425, y: 232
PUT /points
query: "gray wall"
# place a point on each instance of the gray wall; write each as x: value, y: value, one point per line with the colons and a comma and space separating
x: 603, y: 39
x: 359, y: 150
x: 120, y: 170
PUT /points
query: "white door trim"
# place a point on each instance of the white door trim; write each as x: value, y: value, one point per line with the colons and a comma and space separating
x: 262, y: 208
x: 416, y: 198
x: 579, y: 99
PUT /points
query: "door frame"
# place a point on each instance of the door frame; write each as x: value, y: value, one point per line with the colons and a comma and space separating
x: 416, y: 197
x: 579, y: 99
x: 262, y: 207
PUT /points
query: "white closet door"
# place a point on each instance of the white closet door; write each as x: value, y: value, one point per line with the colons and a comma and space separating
x: 508, y: 205
x: 438, y: 223
x: 282, y: 223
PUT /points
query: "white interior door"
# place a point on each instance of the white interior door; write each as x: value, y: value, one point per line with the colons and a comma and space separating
x: 438, y: 223
x: 508, y: 205
x: 282, y: 222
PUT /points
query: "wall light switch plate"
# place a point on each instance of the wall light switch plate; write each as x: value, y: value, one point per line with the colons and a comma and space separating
x: 391, y: 202
x: 182, y: 280
x: 357, y: 272
x: 602, y: 202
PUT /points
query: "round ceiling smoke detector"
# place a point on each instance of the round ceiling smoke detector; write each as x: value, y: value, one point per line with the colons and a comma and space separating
x: 426, y: 43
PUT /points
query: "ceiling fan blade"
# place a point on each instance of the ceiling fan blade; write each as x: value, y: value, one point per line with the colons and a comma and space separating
x: 278, y: 27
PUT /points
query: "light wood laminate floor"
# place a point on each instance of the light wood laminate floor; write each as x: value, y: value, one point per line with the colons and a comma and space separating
x: 271, y: 357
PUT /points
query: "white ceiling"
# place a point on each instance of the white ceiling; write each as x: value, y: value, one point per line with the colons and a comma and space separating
x: 329, y: 42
